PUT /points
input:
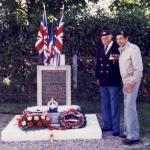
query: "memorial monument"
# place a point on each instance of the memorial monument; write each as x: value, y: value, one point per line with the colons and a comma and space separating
x: 54, y: 82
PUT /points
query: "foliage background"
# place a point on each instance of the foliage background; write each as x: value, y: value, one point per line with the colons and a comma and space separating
x: 19, y: 26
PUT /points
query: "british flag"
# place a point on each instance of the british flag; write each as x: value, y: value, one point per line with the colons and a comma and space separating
x: 60, y: 32
x: 59, y: 37
x: 52, y: 42
x: 42, y: 40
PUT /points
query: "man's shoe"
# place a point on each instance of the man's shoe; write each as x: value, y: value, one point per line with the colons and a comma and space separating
x: 106, y: 130
x: 130, y: 142
x: 122, y: 136
x: 115, y: 134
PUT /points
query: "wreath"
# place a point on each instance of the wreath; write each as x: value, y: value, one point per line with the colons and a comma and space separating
x: 72, y: 119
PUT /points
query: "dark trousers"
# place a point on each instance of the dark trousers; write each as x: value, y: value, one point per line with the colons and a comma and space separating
x: 110, y: 105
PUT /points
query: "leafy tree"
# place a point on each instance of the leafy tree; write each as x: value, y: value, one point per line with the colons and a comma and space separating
x: 134, y: 16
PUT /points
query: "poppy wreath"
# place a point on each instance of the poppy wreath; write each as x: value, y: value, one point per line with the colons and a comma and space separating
x: 33, y: 121
x: 72, y: 119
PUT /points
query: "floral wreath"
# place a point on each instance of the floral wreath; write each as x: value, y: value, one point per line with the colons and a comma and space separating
x: 72, y: 119
x: 33, y: 121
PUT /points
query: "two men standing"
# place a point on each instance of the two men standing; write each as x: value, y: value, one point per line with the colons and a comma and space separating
x: 108, y: 69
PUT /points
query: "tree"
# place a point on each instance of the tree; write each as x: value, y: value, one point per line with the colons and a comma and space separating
x: 134, y: 16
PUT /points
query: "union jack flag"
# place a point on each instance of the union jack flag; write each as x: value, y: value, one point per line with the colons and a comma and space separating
x: 59, y: 37
x: 42, y: 40
x: 60, y: 32
x: 52, y: 42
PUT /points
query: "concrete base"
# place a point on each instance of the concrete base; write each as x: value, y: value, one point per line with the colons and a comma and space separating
x: 92, y: 131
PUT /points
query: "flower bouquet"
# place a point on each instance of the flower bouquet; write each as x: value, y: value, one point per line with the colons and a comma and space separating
x: 33, y: 121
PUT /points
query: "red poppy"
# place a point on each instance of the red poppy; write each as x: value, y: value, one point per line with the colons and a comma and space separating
x: 30, y: 124
x: 20, y: 122
x: 39, y: 124
x: 45, y: 122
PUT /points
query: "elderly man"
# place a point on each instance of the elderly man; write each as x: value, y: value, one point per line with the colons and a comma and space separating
x: 109, y: 80
x: 131, y: 68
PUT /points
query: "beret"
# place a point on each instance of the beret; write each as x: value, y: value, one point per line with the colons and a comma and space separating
x: 122, y: 32
x: 105, y: 32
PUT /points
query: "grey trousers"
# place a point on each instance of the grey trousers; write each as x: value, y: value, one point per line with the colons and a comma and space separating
x: 131, y: 123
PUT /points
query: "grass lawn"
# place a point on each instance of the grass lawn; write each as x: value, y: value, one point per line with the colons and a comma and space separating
x: 14, y: 107
x: 144, y: 118
x: 140, y: 148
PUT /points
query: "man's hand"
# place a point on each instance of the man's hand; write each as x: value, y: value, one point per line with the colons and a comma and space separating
x: 97, y: 81
x: 128, y: 87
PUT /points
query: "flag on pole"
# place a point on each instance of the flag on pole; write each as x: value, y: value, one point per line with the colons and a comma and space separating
x: 52, y: 45
x: 52, y: 41
x: 59, y: 36
x: 42, y: 40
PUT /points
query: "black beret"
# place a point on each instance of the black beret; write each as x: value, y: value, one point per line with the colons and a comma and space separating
x: 105, y: 32
x: 122, y: 32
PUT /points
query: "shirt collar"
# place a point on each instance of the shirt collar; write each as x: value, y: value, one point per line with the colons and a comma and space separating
x: 109, y: 46
x: 121, y: 49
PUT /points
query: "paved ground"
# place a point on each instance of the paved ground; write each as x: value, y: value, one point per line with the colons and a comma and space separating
x: 107, y: 143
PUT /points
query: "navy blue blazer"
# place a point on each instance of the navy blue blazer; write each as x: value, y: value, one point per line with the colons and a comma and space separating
x: 107, y: 70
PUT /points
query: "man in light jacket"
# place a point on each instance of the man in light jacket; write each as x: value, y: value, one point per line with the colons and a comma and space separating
x: 131, y: 70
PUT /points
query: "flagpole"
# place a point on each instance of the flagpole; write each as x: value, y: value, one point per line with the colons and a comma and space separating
x: 44, y: 7
x: 62, y: 16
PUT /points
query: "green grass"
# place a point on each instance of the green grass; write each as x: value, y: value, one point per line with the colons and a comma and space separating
x: 144, y: 118
x: 14, y: 107
x: 89, y: 106
x: 139, y: 148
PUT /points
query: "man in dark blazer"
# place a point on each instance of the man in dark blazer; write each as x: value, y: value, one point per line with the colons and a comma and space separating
x: 109, y: 80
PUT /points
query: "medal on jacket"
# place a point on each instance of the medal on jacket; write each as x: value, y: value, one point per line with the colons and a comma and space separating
x: 114, y: 57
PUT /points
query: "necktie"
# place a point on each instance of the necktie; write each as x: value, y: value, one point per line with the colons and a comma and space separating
x: 105, y: 49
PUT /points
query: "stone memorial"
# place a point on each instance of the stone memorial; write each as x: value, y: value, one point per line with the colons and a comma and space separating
x: 54, y: 82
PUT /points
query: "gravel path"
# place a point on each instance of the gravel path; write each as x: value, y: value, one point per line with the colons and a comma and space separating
x: 107, y: 143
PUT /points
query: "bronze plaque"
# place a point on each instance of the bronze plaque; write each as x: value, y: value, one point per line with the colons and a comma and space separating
x: 54, y: 86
